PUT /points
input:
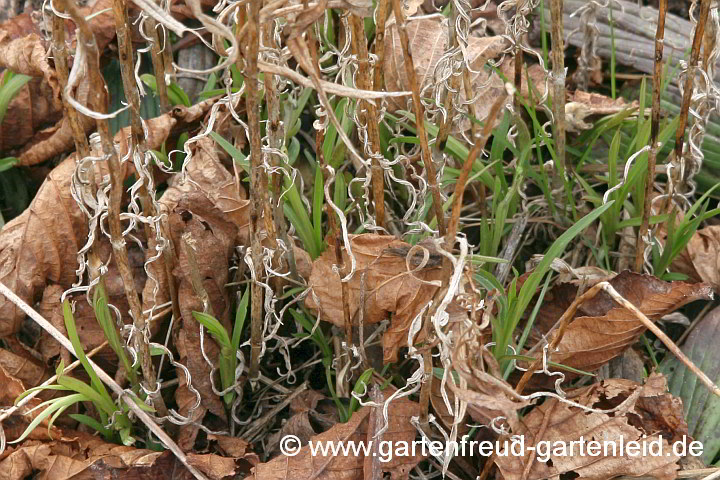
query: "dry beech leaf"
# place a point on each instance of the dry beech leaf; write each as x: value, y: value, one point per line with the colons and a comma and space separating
x: 644, y: 411
x: 30, y: 110
x: 428, y: 42
x: 23, y: 49
x: 601, y: 330
x: 40, y: 246
x: 488, y: 396
x: 305, y: 406
x: 581, y: 105
x: 206, y: 204
x: 701, y: 258
x: 351, y: 467
x: 80, y: 456
x: 382, y: 277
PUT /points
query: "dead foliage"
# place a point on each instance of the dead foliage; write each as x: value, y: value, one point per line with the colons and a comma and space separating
x: 644, y: 414
x: 601, y: 330
x: 360, y: 428
x: 390, y: 280
x: 40, y: 246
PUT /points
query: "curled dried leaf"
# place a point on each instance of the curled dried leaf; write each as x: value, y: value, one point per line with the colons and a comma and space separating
x: 349, y: 467
x: 600, y: 330
x: 639, y: 418
x: 387, y: 282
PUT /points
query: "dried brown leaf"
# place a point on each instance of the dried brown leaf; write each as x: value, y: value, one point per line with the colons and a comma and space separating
x: 581, y: 105
x: 600, y: 329
x: 642, y: 412
x: 23, y: 49
x: 81, y: 456
x: 40, y: 246
x: 701, y: 258
x: 383, y: 278
x: 428, y: 43
x: 304, y: 465
x: 208, y: 204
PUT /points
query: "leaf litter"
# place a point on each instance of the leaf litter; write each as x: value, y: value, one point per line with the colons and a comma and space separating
x: 422, y: 305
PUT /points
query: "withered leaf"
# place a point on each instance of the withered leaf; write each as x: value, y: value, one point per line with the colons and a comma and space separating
x: 701, y: 258
x: 350, y: 467
x: 385, y: 282
x: 630, y: 422
x: 40, y: 246
x: 208, y: 204
x: 582, y: 105
x: 80, y: 456
x: 601, y: 329
x: 428, y: 43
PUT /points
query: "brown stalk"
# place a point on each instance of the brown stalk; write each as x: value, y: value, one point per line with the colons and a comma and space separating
x: 276, y: 139
x: 689, y: 80
x: 558, y: 85
x: 258, y: 181
x: 99, y: 103
x: 419, y: 116
x: 332, y: 222
x: 654, y: 130
x: 60, y: 56
x: 137, y: 135
x: 465, y: 172
x: 381, y: 14
x: 158, y: 62
x: 367, y: 113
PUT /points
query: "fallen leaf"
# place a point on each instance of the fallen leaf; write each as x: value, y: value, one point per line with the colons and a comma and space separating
x: 428, y: 40
x: 382, y: 276
x: 701, y: 407
x: 40, y: 246
x: 581, y: 105
x: 349, y: 467
x: 23, y: 49
x: 601, y: 330
x: 78, y: 456
x: 631, y: 422
x: 700, y: 259
x: 207, y: 204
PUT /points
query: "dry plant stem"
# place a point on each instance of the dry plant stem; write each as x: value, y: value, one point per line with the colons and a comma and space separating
x: 419, y: 116
x: 125, y: 54
x: 337, y: 234
x: 558, y: 86
x: 106, y: 379
x: 654, y: 129
x: 381, y: 14
x: 276, y: 138
x: 663, y: 338
x: 560, y: 325
x: 368, y: 114
x: 465, y: 172
x: 195, y: 278
x: 60, y: 56
x: 688, y: 88
x: 258, y: 181
x: 158, y: 64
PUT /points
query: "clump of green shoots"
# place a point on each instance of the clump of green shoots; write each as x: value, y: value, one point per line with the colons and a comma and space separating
x: 114, y: 423
x: 227, y: 359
